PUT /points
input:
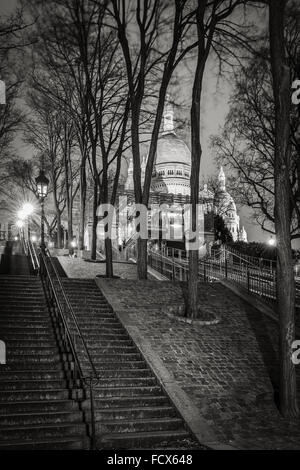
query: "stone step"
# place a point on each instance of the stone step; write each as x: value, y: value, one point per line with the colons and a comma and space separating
x: 14, y: 358
x: 40, y: 418
x: 115, y: 329
x: 128, y: 373
x: 33, y: 374
x: 55, y: 443
x: 114, y: 402
x: 115, y: 392
x: 6, y: 321
x: 37, y: 406
x: 99, y: 322
x: 45, y: 384
x: 38, y: 312
x: 27, y: 337
x: 21, y: 316
x: 139, y: 425
x: 100, y: 336
x: 99, y: 358
x: 28, y: 366
x: 32, y: 432
x: 100, y: 315
x: 99, y: 351
x: 19, y: 288
x: 101, y: 366
x: 140, y: 440
x: 28, y: 343
x: 126, y: 382
x: 26, y: 351
x: 107, y: 343
x: 26, y: 299
x: 27, y: 327
x: 33, y: 395
x: 136, y: 412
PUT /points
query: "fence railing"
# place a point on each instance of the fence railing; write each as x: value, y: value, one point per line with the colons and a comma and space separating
x: 167, y: 266
x: 71, y: 336
x: 242, y: 258
x: 33, y: 256
x: 175, y: 267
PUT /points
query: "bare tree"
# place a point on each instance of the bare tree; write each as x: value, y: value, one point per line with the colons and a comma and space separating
x: 209, y: 15
x: 151, y: 56
x: 282, y: 164
x: 246, y: 145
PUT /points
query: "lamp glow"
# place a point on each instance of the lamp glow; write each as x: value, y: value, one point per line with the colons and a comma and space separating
x: 27, y: 209
x: 20, y: 223
x: 272, y: 242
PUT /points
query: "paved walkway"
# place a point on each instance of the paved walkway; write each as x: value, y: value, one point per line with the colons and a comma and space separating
x: 79, y: 268
x: 227, y: 370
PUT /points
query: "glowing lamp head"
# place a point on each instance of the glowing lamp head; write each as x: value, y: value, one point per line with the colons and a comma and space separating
x: 73, y: 244
x: 42, y: 184
x: 34, y: 238
x: 27, y: 209
x: 20, y: 223
x: 272, y: 242
x: 21, y: 215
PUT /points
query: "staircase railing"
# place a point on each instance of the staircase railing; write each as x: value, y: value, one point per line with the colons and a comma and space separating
x: 70, y: 336
x: 255, y: 280
x: 34, y: 259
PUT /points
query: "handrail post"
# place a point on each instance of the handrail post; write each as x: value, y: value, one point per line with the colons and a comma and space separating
x: 93, y: 427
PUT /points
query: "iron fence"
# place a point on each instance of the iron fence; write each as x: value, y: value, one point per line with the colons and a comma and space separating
x: 175, y: 267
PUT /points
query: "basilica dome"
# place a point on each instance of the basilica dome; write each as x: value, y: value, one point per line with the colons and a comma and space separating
x: 172, y: 149
x: 224, y: 201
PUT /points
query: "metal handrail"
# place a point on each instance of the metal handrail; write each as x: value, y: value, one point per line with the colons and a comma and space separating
x: 91, y: 378
x: 33, y: 256
x: 70, y: 308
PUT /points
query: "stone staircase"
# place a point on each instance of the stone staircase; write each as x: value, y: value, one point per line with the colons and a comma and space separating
x: 36, y: 408
x: 131, y: 408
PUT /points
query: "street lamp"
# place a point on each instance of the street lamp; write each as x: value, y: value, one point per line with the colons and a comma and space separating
x: 42, y: 183
x: 272, y: 241
x: 25, y: 213
x: 20, y: 224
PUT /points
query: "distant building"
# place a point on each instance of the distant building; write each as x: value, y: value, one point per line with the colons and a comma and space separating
x: 171, y: 186
x: 226, y: 208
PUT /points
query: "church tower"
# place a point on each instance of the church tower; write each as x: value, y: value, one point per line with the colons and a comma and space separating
x: 129, y: 182
x: 222, y: 180
x: 168, y: 119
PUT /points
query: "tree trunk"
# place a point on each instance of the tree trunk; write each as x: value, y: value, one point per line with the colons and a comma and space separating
x: 285, y: 275
x: 142, y: 258
x: 70, y: 228
x: 196, y: 152
x: 108, y: 257
x: 82, y: 206
x: 94, y: 223
x: 58, y: 219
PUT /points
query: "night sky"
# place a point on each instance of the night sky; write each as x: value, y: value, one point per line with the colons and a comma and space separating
x: 215, y: 105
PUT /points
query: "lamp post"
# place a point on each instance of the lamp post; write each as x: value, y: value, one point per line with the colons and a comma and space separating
x: 20, y: 225
x: 24, y: 214
x: 28, y: 210
x: 272, y: 241
x: 42, y: 183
